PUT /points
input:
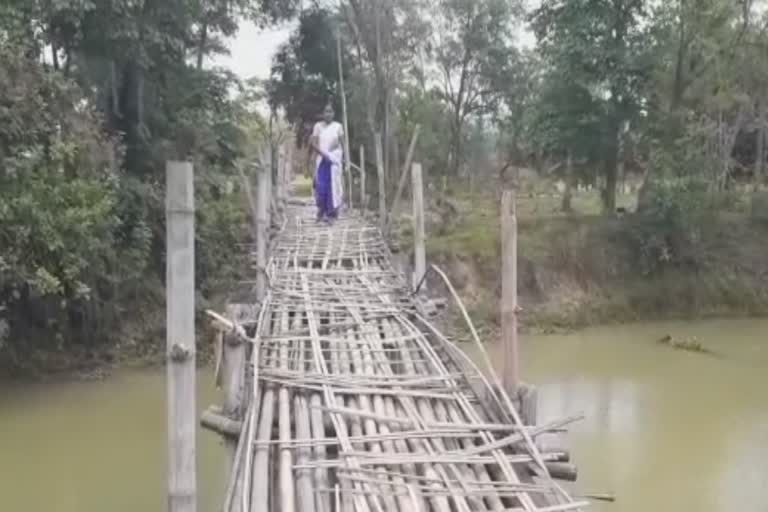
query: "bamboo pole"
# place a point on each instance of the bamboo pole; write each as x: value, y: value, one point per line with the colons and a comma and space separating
x: 382, y: 184
x: 280, y: 185
x: 509, y: 291
x: 260, y: 482
x: 419, y: 241
x: 347, y: 151
x: 306, y: 501
x: 404, y: 174
x: 262, y: 231
x: 270, y: 198
x: 363, y: 202
x: 287, y: 491
x: 233, y: 372
x: 180, y: 336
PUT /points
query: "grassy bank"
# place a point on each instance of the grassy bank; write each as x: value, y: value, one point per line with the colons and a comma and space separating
x: 584, y: 269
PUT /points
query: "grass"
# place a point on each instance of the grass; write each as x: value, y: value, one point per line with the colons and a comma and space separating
x: 579, y: 270
x: 302, y: 187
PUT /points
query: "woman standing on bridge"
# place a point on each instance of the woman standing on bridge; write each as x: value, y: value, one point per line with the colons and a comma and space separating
x: 326, y: 141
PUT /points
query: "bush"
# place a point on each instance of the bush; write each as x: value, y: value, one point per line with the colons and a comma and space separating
x: 667, y: 231
x: 70, y: 232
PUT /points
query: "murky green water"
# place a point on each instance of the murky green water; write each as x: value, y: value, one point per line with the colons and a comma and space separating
x: 666, y: 430
x: 96, y: 446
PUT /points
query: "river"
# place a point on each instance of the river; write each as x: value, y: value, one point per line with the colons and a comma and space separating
x: 666, y: 430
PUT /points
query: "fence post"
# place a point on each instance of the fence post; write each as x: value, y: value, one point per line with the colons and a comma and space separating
x: 262, y: 229
x: 362, y: 179
x: 419, y: 249
x: 280, y: 185
x: 509, y: 291
x: 180, y: 336
x: 382, y: 185
x: 233, y: 376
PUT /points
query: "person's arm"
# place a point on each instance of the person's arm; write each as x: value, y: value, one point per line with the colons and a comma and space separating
x: 320, y: 152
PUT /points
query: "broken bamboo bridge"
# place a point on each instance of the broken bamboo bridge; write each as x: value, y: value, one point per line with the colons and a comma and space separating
x: 342, y: 394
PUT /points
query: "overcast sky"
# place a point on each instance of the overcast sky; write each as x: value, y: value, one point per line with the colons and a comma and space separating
x: 252, y: 49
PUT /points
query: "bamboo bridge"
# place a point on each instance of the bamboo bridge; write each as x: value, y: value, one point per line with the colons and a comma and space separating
x: 343, y: 395
x: 340, y: 392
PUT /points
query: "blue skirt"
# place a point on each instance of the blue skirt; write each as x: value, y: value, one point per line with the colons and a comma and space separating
x: 324, y: 190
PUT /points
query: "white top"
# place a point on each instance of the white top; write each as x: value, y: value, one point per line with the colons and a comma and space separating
x: 327, y: 135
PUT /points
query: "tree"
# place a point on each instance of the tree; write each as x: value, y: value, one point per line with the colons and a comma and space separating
x: 305, y: 69
x: 566, y: 123
x: 95, y: 97
x: 472, y: 48
x: 600, y: 45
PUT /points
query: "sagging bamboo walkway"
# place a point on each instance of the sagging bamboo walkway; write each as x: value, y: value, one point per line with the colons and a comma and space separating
x: 355, y: 401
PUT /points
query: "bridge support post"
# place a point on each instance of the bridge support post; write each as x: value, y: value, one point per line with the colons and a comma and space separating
x: 262, y: 230
x: 419, y: 241
x: 280, y: 180
x: 233, y: 376
x: 270, y: 187
x: 362, y: 180
x: 382, y: 185
x: 528, y: 397
x: 180, y: 336
x: 509, y: 291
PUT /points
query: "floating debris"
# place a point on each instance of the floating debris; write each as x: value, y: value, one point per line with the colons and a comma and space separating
x: 690, y: 344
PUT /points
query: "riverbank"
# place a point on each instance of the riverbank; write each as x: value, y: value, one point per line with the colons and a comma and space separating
x: 586, y: 269
x: 138, y: 344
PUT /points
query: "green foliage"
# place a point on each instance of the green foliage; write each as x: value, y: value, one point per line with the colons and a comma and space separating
x: 426, y: 109
x: 60, y: 204
x: 667, y: 233
x: 94, y: 98
x: 305, y: 69
x: 599, y: 49
x: 474, y: 58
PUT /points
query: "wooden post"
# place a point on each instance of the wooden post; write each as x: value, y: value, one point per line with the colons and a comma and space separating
x: 382, y: 185
x: 347, y: 151
x: 404, y: 174
x: 362, y: 179
x: 280, y: 184
x: 509, y: 291
x: 287, y: 172
x: 262, y: 230
x: 419, y: 250
x: 180, y: 336
x: 270, y: 197
x: 233, y: 373
x: 529, y: 403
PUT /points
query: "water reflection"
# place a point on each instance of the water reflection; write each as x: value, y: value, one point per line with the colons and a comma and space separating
x: 609, y: 406
x: 666, y: 430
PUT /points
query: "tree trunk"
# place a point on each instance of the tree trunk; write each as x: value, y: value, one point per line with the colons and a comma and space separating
x: 55, y: 57
x: 760, y: 145
x: 677, y: 87
x: 610, y: 169
x: 201, y: 45
x: 569, y: 179
x: 455, y: 150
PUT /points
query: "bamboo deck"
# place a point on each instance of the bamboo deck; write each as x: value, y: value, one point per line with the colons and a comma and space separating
x: 356, y: 402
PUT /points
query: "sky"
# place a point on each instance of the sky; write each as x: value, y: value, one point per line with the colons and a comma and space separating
x: 251, y: 50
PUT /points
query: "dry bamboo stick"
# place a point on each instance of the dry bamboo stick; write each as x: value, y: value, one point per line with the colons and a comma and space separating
x: 306, y: 499
x: 317, y: 427
x: 259, y: 484
x: 287, y: 491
